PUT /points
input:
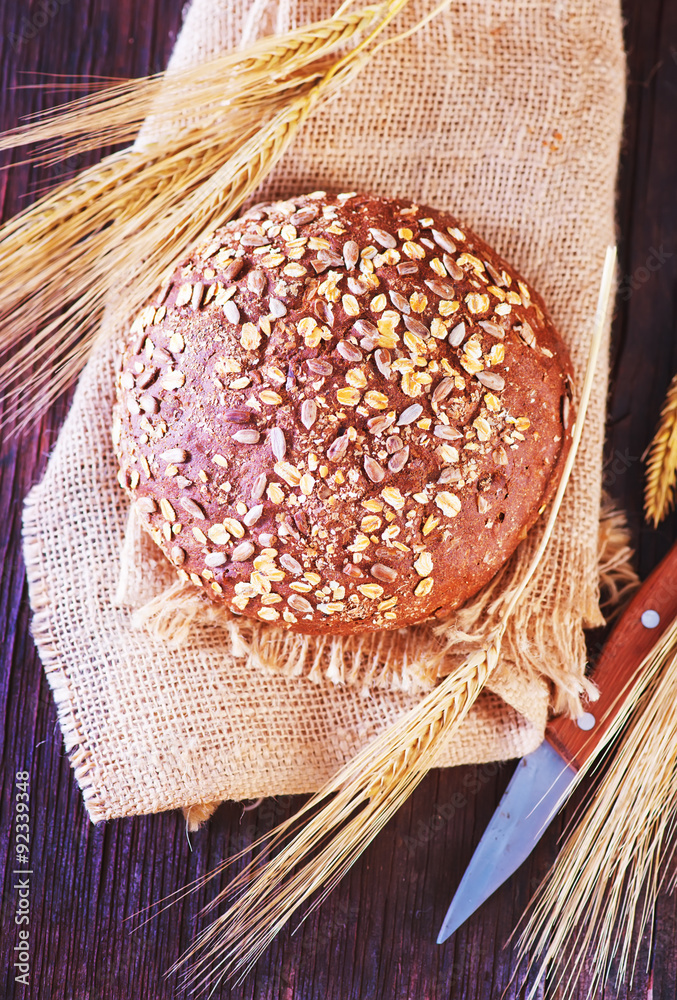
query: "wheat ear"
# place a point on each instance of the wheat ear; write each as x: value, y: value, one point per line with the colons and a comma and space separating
x: 115, y: 114
x: 609, y: 870
x: 661, y: 462
x: 67, y: 257
x: 345, y: 816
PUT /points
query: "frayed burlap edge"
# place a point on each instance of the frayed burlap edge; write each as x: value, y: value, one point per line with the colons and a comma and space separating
x: 186, y: 607
x: 410, y: 659
x: 42, y: 607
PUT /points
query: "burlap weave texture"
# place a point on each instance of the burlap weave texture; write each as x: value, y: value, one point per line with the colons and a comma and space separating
x: 506, y: 113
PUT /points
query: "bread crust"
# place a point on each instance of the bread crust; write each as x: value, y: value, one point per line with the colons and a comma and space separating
x: 342, y: 413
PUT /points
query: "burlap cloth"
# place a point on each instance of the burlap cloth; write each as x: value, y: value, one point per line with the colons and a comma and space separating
x: 508, y: 113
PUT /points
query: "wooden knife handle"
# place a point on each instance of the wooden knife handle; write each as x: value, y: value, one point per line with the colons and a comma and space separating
x: 642, y: 623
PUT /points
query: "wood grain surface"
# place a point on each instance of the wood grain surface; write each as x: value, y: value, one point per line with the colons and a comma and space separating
x: 373, y: 939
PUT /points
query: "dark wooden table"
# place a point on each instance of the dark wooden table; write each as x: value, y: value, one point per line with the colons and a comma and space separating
x: 374, y: 938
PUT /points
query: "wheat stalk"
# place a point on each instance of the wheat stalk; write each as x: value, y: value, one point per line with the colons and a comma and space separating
x: 116, y: 228
x: 609, y: 870
x: 661, y: 462
x: 377, y: 781
x: 351, y: 809
x: 116, y: 113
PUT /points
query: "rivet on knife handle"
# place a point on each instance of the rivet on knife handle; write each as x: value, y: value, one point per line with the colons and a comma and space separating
x: 644, y: 620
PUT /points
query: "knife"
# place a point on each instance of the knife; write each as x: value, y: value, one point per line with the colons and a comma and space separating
x: 545, y: 778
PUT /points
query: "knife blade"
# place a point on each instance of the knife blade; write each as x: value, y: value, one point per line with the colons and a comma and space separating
x: 545, y: 778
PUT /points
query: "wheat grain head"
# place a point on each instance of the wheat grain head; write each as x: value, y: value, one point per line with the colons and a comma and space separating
x: 114, y: 114
x: 661, y: 462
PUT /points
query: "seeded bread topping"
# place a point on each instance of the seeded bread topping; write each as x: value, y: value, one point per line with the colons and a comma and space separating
x: 341, y: 413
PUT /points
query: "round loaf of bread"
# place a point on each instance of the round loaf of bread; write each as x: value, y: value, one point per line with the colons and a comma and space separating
x: 341, y: 413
